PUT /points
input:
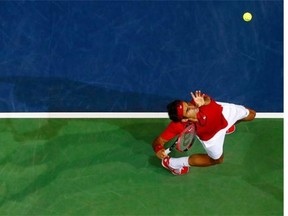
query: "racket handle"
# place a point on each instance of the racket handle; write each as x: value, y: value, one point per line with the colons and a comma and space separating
x: 167, y: 151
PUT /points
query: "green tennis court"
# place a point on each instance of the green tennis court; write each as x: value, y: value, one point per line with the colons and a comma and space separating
x: 107, y: 167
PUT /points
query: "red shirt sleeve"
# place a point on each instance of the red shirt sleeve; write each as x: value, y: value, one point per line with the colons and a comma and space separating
x: 172, y: 130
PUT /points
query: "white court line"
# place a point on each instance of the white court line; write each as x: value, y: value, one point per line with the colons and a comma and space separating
x: 106, y: 115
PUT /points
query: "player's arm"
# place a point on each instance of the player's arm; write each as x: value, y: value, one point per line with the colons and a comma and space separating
x: 200, y: 99
x: 158, y: 146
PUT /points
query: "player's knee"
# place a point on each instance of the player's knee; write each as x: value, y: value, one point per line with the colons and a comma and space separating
x: 217, y: 159
x: 251, y: 115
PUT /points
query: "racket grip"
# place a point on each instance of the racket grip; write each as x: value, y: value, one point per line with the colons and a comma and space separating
x: 167, y: 151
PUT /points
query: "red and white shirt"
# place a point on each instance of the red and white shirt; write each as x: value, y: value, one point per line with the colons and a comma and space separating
x: 210, y: 121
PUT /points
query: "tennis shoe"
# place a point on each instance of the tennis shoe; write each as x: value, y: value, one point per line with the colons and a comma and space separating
x: 231, y: 129
x: 181, y: 171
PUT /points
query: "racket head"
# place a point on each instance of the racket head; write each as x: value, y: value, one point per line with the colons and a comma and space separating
x: 186, y: 138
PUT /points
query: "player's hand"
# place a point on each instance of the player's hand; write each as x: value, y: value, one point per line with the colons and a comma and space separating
x: 198, y: 98
x: 161, y: 154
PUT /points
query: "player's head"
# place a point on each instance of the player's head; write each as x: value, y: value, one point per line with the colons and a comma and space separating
x: 175, y: 110
x: 182, y: 111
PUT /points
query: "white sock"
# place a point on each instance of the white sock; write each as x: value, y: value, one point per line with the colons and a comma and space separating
x: 177, y: 163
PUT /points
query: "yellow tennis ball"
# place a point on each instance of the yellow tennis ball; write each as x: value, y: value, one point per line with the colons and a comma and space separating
x: 247, y: 16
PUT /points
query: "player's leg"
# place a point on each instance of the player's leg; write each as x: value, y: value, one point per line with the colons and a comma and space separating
x: 214, y: 146
x: 180, y: 166
x: 214, y: 149
x: 204, y: 160
x: 234, y: 113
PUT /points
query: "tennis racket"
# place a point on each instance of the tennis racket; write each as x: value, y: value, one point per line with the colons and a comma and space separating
x: 185, y: 140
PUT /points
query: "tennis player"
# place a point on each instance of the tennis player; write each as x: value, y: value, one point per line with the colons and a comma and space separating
x: 213, y: 120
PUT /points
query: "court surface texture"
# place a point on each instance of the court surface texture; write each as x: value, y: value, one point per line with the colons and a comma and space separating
x: 107, y: 167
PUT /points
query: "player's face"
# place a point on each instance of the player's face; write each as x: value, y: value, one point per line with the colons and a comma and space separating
x: 190, y: 111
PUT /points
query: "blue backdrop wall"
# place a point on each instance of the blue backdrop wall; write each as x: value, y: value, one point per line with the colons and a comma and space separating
x: 138, y: 55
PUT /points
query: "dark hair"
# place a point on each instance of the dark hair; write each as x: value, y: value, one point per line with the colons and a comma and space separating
x: 172, y: 110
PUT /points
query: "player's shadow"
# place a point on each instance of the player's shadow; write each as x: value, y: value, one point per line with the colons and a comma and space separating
x: 65, y: 152
x: 70, y: 151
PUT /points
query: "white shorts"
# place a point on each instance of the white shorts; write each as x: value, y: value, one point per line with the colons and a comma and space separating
x: 232, y: 113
